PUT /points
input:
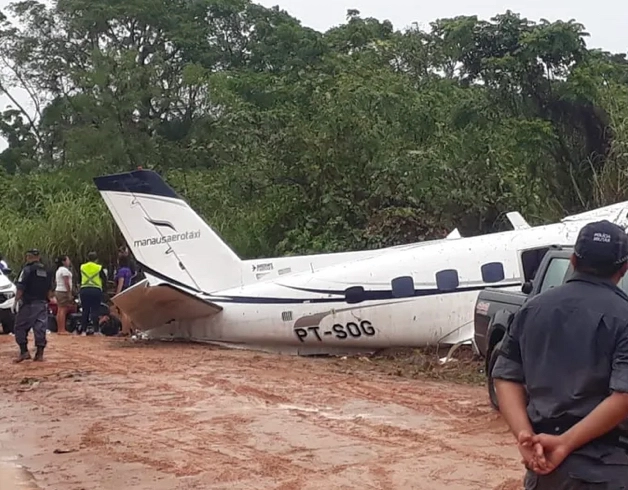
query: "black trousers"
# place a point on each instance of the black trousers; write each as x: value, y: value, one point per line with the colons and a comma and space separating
x: 90, y: 304
x: 32, y: 315
x: 560, y: 479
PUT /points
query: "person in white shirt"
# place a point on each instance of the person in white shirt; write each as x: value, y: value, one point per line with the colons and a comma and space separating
x: 63, y: 291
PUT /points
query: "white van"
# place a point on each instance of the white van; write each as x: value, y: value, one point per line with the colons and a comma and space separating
x: 7, y: 297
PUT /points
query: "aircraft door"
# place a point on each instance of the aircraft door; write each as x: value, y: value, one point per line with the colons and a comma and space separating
x: 530, y: 260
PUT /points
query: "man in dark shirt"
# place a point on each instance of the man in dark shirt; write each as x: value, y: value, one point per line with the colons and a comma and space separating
x: 567, y: 350
x: 34, y: 289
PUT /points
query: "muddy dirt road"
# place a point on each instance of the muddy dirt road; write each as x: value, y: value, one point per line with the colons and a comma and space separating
x: 112, y: 414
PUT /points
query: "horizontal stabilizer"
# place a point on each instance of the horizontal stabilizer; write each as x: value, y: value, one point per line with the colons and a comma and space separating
x: 517, y: 221
x: 153, y: 306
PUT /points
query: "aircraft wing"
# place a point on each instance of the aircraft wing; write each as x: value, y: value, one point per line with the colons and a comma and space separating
x: 150, y: 306
x: 615, y: 213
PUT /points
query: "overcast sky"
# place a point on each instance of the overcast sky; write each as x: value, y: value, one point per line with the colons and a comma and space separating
x: 604, y: 20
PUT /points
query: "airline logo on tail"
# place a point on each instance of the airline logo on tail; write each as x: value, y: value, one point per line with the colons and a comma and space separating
x: 158, y: 223
x: 174, y: 237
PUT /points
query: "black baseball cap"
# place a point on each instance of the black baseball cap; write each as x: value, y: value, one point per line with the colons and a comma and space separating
x: 33, y: 251
x: 602, y: 244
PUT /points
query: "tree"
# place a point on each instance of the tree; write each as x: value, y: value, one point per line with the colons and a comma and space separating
x: 289, y: 140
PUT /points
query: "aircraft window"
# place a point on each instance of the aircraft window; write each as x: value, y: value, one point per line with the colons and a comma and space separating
x: 493, y: 272
x: 447, y: 280
x: 354, y: 294
x: 402, y: 287
x: 531, y: 260
x: 555, y: 274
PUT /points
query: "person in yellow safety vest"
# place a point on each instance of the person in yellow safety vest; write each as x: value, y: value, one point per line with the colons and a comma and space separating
x: 93, y: 281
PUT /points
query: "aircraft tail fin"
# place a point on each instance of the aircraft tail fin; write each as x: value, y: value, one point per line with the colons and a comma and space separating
x: 166, y: 235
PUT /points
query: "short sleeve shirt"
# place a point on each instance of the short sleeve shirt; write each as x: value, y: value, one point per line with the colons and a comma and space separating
x: 125, y: 274
x: 569, y: 346
x: 59, y: 279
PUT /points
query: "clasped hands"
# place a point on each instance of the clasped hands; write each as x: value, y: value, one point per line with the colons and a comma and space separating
x: 542, y: 453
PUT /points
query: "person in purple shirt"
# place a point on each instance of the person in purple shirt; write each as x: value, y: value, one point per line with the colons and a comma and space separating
x: 123, y: 275
x: 122, y: 279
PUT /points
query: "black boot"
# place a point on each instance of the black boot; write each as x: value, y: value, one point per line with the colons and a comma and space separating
x: 39, y: 355
x: 24, y: 354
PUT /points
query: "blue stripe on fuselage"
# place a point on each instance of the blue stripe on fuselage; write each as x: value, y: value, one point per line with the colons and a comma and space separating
x: 378, y: 295
x: 367, y: 295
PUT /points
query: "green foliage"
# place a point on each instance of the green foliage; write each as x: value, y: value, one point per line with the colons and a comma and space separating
x: 56, y: 214
x: 288, y: 140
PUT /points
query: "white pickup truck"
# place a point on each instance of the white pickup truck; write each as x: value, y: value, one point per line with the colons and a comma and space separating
x: 7, y: 297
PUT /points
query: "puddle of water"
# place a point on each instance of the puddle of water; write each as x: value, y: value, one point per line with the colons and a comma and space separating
x: 389, y: 414
x: 333, y: 414
x: 15, y: 477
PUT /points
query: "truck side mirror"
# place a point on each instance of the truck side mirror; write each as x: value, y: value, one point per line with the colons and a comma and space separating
x: 526, y: 288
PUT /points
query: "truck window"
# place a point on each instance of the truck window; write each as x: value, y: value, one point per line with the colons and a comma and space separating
x: 555, y: 273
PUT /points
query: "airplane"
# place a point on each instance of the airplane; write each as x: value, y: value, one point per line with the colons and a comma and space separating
x: 197, y: 289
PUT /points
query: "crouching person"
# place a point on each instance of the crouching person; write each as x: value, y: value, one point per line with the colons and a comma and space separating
x: 34, y: 289
x: 108, y: 323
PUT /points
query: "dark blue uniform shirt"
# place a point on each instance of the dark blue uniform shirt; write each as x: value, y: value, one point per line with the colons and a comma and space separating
x: 35, y: 282
x: 569, y: 346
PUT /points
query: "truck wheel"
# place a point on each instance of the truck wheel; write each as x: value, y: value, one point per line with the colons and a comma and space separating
x: 8, y: 321
x: 491, y: 382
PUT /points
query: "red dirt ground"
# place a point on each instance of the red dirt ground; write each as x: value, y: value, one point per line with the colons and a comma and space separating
x: 113, y: 414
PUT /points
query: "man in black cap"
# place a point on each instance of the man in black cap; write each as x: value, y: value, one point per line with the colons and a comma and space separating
x: 34, y: 289
x: 562, y: 376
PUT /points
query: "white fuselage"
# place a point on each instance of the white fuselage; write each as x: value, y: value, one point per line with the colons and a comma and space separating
x: 194, y: 256
x: 308, y: 311
x: 197, y: 288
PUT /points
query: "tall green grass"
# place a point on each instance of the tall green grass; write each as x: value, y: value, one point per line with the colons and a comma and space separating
x: 610, y: 184
x: 62, y: 213
x: 58, y: 213
x: 69, y: 224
